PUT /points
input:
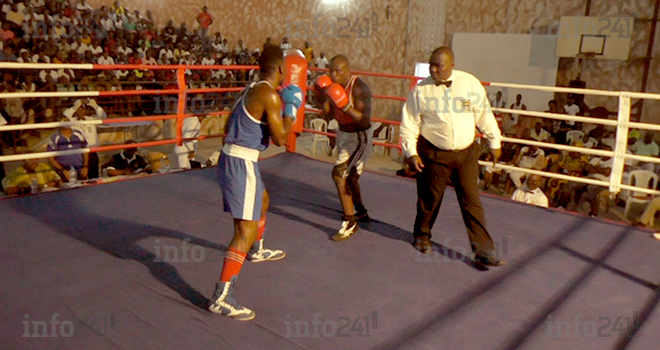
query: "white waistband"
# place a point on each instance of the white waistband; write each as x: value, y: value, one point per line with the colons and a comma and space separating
x: 241, y: 152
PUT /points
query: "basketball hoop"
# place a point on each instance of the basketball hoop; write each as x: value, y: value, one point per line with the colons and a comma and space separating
x: 587, y: 55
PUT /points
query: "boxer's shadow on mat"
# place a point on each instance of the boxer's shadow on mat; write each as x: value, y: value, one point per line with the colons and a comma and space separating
x: 288, y: 192
x: 114, y: 236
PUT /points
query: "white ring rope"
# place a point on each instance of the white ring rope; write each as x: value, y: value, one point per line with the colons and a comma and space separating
x: 569, y: 117
x: 52, y: 125
x: 622, y: 122
x: 38, y: 155
x: 597, y: 152
x: 49, y: 94
x: 644, y: 95
x: 14, y: 65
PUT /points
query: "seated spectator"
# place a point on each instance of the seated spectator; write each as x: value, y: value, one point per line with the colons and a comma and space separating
x: 13, y: 107
x: 118, y: 9
x: 598, y: 168
x: 531, y: 192
x: 127, y: 162
x: 509, y: 152
x: 169, y: 31
x: 106, y: 59
x: 31, y: 171
x: 554, y: 187
x: 573, y: 164
x: 86, y: 109
x: 66, y: 138
x: 7, y: 54
x: 17, y: 14
x: 529, y: 157
x: 646, y: 147
x: 24, y: 56
x: 82, y: 6
x: 571, y: 108
x: 540, y: 134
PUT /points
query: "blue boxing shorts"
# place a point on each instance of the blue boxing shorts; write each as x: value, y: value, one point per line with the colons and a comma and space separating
x: 240, y: 180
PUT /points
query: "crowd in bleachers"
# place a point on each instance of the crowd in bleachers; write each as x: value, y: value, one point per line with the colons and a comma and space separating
x: 562, y: 193
x: 68, y: 31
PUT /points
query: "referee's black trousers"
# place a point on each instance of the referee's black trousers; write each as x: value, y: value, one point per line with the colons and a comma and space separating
x: 463, y: 169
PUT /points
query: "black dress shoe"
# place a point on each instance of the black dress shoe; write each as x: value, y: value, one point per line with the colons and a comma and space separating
x: 488, y: 260
x: 362, y: 216
x: 423, y: 244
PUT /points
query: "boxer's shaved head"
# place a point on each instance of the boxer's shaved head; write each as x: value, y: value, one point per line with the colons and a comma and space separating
x: 271, y: 59
x: 340, y: 69
x: 340, y: 59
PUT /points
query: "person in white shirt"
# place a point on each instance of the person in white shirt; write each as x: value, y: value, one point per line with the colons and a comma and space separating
x: 106, y: 59
x: 646, y: 147
x: 81, y: 111
x: 123, y: 48
x: 438, y: 132
x: 285, y: 44
x: 321, y: 61
x: 530, y: 157
x: 95, y: 47
x: 531, y: 193
x: 539, y: 134
x: 239, y: 47
x: 37, y: 3
x: 519, y: 106
x: 82, y: 6
x: 149, y: 60
x: 24, y: 56
x: 167, y: 52
x: 224, y: 47
x: 571, y: 108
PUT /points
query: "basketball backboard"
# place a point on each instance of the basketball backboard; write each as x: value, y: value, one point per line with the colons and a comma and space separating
x: 606, y: 38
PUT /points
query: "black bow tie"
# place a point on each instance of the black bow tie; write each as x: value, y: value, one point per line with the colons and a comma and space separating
x: 446, y: 83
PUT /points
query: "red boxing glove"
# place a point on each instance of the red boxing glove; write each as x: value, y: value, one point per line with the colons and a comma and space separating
x: 338, y: 95
x: 323, y: 82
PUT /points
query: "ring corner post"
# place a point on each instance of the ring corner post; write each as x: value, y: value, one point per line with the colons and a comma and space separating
x: 181, y: 107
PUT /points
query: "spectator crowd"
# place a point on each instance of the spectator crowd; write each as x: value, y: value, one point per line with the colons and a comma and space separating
x: 68, y: 31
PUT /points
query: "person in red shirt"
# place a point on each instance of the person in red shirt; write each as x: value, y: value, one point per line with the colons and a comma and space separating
x: 205, y: 20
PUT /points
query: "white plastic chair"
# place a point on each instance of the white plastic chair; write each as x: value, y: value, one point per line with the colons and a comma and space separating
x: 640, y: 178
x: 386, y: 135
x: 574, y: 136
x: 320, y: 124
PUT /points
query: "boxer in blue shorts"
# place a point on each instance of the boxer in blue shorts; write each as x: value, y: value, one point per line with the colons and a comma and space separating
x: 256, y: 118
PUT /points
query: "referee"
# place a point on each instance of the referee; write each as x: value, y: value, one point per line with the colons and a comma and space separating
x: 438, y: 133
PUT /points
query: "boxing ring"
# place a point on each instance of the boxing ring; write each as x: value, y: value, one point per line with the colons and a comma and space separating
x: 132, y: 264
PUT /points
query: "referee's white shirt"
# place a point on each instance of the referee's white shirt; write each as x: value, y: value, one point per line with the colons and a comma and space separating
x: 448, y: 116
